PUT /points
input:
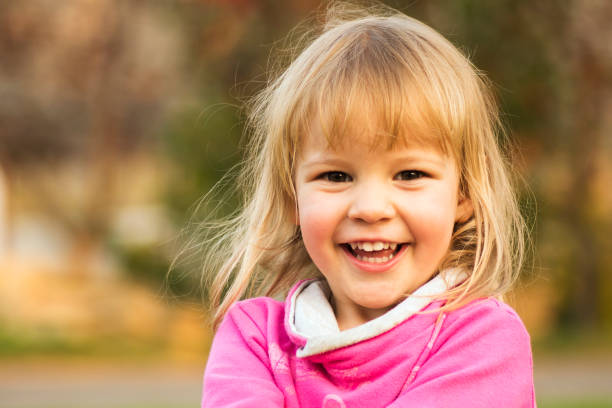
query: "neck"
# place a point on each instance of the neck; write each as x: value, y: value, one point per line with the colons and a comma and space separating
x: 349, y: 317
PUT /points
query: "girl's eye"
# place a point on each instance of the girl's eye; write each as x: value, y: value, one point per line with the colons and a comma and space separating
x: 410, y: 175
x: 336, y: 177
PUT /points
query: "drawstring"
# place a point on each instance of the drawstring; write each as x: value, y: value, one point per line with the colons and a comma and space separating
x: 426, y: 352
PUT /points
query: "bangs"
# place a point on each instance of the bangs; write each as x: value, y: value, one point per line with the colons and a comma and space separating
x: 372, y: 87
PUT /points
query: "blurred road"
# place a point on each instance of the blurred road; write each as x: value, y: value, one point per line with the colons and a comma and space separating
x: 106, y: 384
x: 574, y: 377
x: 99, y: 384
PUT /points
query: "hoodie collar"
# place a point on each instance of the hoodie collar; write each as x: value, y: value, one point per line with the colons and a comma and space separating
x: 312, y: 326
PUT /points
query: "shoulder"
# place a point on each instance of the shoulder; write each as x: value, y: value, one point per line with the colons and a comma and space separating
x: 253, y: 317
x: 239, y: 369
x: 486, y: 329
x: 486, y: 307
x: 486, y: 316
x: 257, y: 308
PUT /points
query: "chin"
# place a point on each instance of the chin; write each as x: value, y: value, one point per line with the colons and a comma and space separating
x: 382, y: 296
x: 376, y: 303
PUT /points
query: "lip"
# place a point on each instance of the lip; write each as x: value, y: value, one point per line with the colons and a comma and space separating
x: 376, y: 267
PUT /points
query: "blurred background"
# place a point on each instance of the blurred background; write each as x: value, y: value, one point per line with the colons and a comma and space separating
x: 116, y: 116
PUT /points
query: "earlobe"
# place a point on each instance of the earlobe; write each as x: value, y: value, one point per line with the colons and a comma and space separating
x: 465, y: 210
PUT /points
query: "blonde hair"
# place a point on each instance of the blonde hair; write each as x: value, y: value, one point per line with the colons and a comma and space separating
x: 416, y: 86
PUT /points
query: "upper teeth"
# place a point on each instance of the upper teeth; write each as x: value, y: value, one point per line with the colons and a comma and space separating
x: 373, y: 246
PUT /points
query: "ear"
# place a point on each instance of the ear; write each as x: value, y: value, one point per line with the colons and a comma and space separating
x: 465, y: 209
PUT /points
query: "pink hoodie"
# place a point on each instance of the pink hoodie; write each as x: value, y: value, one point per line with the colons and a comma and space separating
x: 270, y: 354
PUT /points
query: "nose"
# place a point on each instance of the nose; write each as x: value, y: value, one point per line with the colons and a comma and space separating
x: 371, y: 203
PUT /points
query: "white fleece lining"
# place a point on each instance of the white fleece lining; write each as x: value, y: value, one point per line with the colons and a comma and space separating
x: 312, y: 317
x: 315, y: 315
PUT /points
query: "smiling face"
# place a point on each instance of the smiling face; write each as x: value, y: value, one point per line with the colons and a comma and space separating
x: 375, y: 222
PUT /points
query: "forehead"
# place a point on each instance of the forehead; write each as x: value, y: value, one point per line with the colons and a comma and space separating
x: 365, y: 133
x: 353, y: 110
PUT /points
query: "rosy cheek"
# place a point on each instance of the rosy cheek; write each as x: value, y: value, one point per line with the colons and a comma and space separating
x: 313, y: 224
x: 432, y: 223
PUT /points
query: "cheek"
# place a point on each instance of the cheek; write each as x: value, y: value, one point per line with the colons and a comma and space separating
x: 313, y: 226
x: 315, y: 219
x: 319, y: 217
x: 433, y: 223
x: 317, y: 227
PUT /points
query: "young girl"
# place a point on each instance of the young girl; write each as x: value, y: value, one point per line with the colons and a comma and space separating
x: 374, y: 169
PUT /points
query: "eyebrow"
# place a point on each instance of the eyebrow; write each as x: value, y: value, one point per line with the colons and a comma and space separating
x: 332, y: 159
x: 325, y: 161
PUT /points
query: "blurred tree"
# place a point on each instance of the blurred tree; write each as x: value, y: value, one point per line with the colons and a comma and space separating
x: 586, y: 101
x: 84, y: 82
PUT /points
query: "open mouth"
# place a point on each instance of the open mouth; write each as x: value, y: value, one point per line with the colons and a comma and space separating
x: 374, y: 252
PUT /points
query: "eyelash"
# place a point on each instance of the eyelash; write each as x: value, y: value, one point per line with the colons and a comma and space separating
x: 342, y: 177
x: 336, y: 177
x: 412, y: 175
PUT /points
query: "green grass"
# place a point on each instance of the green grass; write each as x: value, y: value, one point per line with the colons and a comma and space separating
x: 130, y: 406
x: 576, y: 404
x: 97, y: 405
x: 575, y: 341
x: 51, y: 343
x: 543, y: 404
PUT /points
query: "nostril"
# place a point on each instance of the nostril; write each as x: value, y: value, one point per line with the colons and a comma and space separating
x: 371, y: 213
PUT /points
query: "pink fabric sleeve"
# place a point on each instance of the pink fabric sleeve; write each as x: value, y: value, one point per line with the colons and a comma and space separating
x: 481, y: 359
x: 238, y: 371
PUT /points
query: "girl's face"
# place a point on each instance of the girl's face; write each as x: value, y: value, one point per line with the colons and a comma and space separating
x: 376, y: 222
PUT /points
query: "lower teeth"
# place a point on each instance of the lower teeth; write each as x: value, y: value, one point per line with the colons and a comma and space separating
x: 382, y: 259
